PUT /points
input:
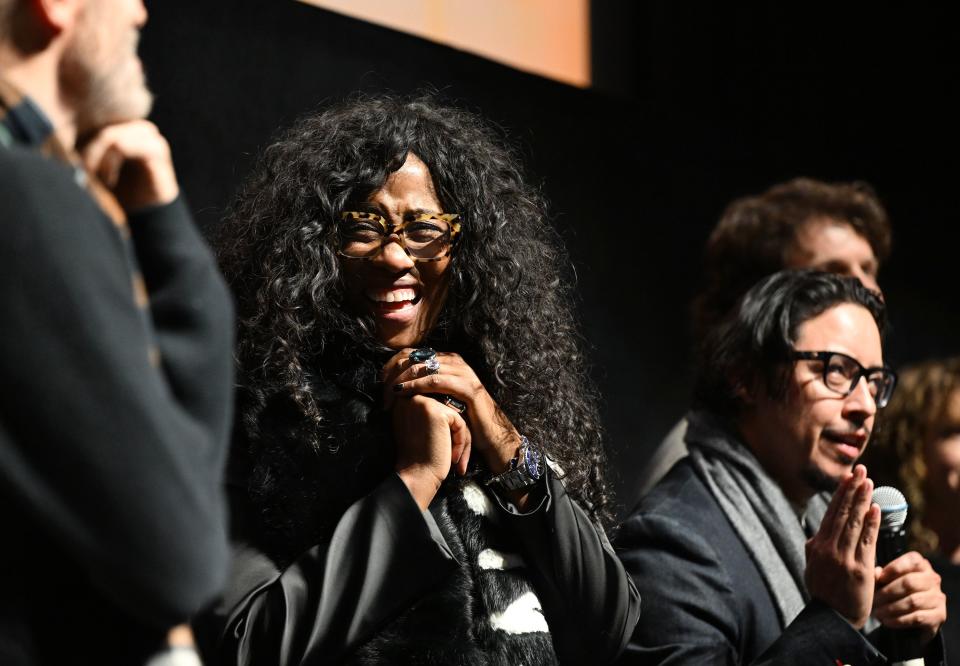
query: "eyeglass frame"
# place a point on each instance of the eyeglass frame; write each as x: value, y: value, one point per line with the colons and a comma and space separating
x: 863, y: 373
x: 391, y: 229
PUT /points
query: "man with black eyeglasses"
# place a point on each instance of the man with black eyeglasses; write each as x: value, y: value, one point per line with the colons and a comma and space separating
x: 836, y: 227
x: 740, y: 553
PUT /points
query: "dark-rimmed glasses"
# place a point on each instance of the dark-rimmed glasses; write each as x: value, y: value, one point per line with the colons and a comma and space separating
x: 424, y: 237
x: 841, y: 374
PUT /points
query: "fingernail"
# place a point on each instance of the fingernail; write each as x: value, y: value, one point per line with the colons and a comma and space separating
x: 397, y: 388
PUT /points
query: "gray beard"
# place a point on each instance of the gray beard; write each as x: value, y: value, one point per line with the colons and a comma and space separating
x: 106, y: 103
x: 101, y: 96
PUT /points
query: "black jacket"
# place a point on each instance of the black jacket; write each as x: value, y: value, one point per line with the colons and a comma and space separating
x: 704, y: 599
x: 397, y: 586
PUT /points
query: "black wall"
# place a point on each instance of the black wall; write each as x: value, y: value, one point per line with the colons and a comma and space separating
x: 693, y: 108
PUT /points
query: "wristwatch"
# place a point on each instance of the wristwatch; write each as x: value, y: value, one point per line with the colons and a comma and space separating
x: 525, y: 470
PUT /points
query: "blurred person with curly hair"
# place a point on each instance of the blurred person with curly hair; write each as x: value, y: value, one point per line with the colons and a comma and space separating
x: 417, y: 474
x: 917, y: 450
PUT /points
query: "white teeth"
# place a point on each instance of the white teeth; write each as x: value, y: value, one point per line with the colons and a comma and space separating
x: 392, y: 295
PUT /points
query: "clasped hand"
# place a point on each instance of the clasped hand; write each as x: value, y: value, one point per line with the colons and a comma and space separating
x: 432, y: 438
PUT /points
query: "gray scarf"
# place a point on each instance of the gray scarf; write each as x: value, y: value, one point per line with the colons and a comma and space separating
x: 758, y: 510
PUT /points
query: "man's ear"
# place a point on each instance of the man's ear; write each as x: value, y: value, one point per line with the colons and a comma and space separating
x: 747, y: 387
x: 56, y: 16
x: 744, y: 394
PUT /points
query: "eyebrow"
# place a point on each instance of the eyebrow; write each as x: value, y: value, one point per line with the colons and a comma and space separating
x: 882, y: 366
x: 370, y: 207
x: 420, y: 211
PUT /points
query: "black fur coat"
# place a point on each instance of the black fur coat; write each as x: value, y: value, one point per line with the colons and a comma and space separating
x: 486, y: 613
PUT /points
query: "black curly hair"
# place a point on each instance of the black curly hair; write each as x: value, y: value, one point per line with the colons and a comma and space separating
x: 308, y: 366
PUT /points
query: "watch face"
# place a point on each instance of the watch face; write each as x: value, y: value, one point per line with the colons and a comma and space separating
x: 534, y: 462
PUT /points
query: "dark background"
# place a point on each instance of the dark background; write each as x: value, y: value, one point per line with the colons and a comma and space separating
x: 692, y: 106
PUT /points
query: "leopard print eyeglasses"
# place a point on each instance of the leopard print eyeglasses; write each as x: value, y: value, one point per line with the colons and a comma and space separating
x: 424, y: 237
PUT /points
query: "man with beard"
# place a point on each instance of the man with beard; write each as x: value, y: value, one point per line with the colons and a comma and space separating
x: 115, y: 351
x: 739, y: 553
x: 837, y: 227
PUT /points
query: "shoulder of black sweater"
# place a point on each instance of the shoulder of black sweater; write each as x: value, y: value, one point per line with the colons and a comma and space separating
x: 41, y: 196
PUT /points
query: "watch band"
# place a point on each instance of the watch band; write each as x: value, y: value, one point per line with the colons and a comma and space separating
x: 526, y: 468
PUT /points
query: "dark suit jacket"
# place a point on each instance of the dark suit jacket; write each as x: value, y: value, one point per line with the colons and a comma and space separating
x: 704, y: 601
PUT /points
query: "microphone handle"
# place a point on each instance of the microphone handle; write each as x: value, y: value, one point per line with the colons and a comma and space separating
x: 891, y: 544
x: 902, y: 646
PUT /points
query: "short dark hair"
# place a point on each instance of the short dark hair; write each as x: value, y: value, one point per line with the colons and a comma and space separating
x: 755, y: 233
x: 749, y: 347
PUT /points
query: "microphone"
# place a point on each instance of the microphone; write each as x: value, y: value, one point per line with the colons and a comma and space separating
x: 903, y: 646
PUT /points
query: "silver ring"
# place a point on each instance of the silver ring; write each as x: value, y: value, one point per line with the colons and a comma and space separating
x: 432, y: 365
x: 454, y: 404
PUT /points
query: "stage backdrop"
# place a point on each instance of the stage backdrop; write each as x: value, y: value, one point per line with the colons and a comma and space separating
x: 692, y: 110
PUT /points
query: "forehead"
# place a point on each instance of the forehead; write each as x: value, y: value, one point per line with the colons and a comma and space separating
x: 410, y: 186
x: 847, y: 328
x: 824, y: 240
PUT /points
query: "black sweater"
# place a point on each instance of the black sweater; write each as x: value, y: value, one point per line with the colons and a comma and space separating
x: 110, y: 461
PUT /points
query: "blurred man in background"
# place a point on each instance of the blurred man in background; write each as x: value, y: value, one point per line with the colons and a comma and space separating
x: 115, y: 351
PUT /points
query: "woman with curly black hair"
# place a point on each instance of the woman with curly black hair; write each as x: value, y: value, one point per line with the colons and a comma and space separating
x: 418, y: 472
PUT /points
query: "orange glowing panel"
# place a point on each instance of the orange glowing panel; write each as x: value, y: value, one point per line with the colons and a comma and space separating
x: 547, y: 37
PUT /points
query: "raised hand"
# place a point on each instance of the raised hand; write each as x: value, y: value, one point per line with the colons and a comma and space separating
x: 842, y: 554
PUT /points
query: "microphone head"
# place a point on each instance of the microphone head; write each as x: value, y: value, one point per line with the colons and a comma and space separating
x: 893, y: 507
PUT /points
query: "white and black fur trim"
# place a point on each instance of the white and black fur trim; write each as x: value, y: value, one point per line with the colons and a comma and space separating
x: 484, y: 615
